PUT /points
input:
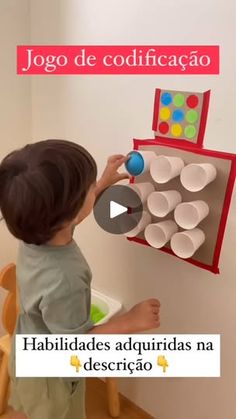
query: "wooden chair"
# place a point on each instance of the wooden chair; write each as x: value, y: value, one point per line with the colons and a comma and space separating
x: 9, y: 316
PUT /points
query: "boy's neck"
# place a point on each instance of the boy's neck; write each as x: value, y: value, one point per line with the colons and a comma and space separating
x: 62, y: 237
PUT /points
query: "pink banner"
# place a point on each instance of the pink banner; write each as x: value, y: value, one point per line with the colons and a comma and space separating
x: 135, y: 59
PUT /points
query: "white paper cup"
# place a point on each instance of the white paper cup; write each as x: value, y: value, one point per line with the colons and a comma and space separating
x: 142, y: 189
x: 158, y: 234
x: 189, y: 214
x: 186, y: 243
x: 161, y: 203
x: 147, y: 156
x: 194, y: 177
x: 165, y: 168
x: 144, y: 221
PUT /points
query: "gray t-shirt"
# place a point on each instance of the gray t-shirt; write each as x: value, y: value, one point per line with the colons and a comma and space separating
x: 54, y: 289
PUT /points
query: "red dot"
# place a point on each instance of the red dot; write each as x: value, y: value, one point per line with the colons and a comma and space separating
x: 163, y: 127
x: 192, y: 101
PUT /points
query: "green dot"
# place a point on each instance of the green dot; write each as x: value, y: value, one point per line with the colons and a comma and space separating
x: 178, y: 99
x: 192, y: 116
x: 190, y: 131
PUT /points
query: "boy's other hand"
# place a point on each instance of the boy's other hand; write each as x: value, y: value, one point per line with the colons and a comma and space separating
x: 111, y: 174
x: 144, y: 316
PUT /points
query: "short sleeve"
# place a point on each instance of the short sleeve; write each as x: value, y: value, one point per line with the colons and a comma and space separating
x: 66, y: 310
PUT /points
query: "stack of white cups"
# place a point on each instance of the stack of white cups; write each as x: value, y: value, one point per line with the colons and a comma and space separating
x: 188, y: 215
x: 160, y: 204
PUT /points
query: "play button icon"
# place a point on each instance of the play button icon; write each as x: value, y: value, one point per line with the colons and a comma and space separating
x: 114, y: 209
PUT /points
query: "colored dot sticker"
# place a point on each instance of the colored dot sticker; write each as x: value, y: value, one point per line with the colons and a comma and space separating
x: 163, y: 127
x: 192, y: 101
x: 176, y: 130
x: 178, y: 115
x: 190, y: 131
x: 165, y: 114
x: 192, y: 116
x: 178, y: 100
x: 166, y: 98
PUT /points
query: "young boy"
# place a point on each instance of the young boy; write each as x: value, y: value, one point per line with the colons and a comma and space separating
x: 46, y: 189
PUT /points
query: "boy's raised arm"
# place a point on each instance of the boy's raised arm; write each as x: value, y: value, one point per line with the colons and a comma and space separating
x: 111, y: 174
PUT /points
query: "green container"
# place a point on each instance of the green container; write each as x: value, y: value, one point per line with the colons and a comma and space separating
x: 96, y: 314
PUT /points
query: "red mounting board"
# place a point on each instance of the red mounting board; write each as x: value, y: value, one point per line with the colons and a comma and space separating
x: 230, y: 179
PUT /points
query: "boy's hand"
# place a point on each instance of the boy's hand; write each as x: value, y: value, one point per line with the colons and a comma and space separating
x: 111, y: 174
x: 144, y: 316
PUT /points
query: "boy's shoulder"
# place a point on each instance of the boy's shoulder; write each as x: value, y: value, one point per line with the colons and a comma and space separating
x: 58, y: 268
x: 68, y: 256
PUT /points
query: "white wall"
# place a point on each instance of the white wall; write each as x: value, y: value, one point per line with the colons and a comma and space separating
x: 15, y: 108
x: 104, y: 113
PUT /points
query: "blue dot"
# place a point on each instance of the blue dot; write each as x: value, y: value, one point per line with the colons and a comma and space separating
x: 135, y: 164
x: 178, y: 115
x: 166, y: 98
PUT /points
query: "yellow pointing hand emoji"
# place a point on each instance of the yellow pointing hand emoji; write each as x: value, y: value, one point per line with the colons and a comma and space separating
x: 162, y: 362
x: 75, y: 362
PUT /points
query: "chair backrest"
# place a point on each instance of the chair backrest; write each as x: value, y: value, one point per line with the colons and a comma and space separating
x: 10, y: 307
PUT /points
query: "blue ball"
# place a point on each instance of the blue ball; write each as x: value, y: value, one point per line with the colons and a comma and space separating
x: 135, y: 164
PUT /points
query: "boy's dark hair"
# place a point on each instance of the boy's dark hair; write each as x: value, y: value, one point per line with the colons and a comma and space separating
x: 43, y: 185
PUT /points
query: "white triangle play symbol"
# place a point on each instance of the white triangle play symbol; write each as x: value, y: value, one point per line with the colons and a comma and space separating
x: 116, y: 209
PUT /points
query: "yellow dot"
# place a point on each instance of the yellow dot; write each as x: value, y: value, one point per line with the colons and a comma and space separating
x: 165, y: 114
x: 176, y: 130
